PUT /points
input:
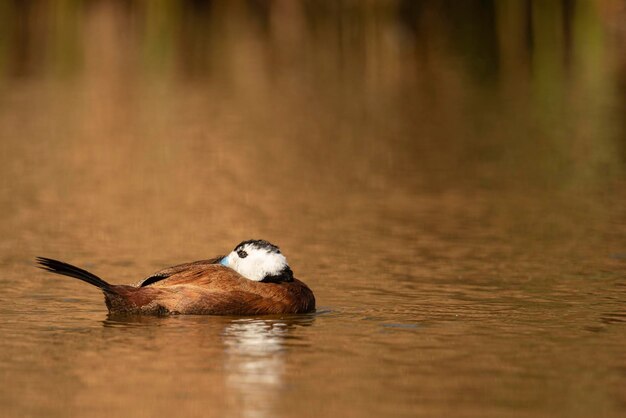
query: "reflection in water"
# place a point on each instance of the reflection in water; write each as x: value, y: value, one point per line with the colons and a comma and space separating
x: 255, y: 364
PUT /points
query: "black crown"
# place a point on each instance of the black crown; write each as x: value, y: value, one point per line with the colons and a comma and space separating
x: 259, y: 244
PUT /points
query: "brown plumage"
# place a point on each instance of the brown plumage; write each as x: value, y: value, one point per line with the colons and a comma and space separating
x: 202, y: 287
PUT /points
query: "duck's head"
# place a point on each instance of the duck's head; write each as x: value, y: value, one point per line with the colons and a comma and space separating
x: 260, y: 261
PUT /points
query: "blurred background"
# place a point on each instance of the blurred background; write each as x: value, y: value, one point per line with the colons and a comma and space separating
x: 448, y: 177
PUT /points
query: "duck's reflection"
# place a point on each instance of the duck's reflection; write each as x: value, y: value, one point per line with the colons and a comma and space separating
x: 253, y: 353
x: 255, y: 364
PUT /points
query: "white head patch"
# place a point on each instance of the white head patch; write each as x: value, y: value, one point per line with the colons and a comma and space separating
x: 256, y: 260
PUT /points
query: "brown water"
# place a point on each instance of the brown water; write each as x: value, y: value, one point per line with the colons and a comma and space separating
x: 448, y: 177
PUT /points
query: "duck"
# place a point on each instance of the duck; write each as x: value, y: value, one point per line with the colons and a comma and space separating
x: 253, y: 279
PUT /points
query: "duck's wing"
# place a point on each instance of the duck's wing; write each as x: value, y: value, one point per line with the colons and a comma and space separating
x: 180, y: 268
x: 190, y: 299
x: 210, y: 288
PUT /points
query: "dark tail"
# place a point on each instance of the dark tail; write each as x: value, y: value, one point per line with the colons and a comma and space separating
x: 65, y: 269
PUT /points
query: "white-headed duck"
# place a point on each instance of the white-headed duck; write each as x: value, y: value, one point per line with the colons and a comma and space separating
x: 254, y: 279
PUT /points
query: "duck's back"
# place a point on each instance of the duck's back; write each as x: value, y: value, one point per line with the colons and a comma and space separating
x: 208, y: 288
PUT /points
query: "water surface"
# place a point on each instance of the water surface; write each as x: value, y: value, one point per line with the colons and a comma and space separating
x: 448, y: 178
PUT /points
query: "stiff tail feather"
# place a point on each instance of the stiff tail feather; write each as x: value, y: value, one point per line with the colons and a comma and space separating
x: 65, y: 269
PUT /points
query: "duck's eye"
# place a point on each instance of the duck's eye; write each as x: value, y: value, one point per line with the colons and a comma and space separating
x: 242, y: 253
